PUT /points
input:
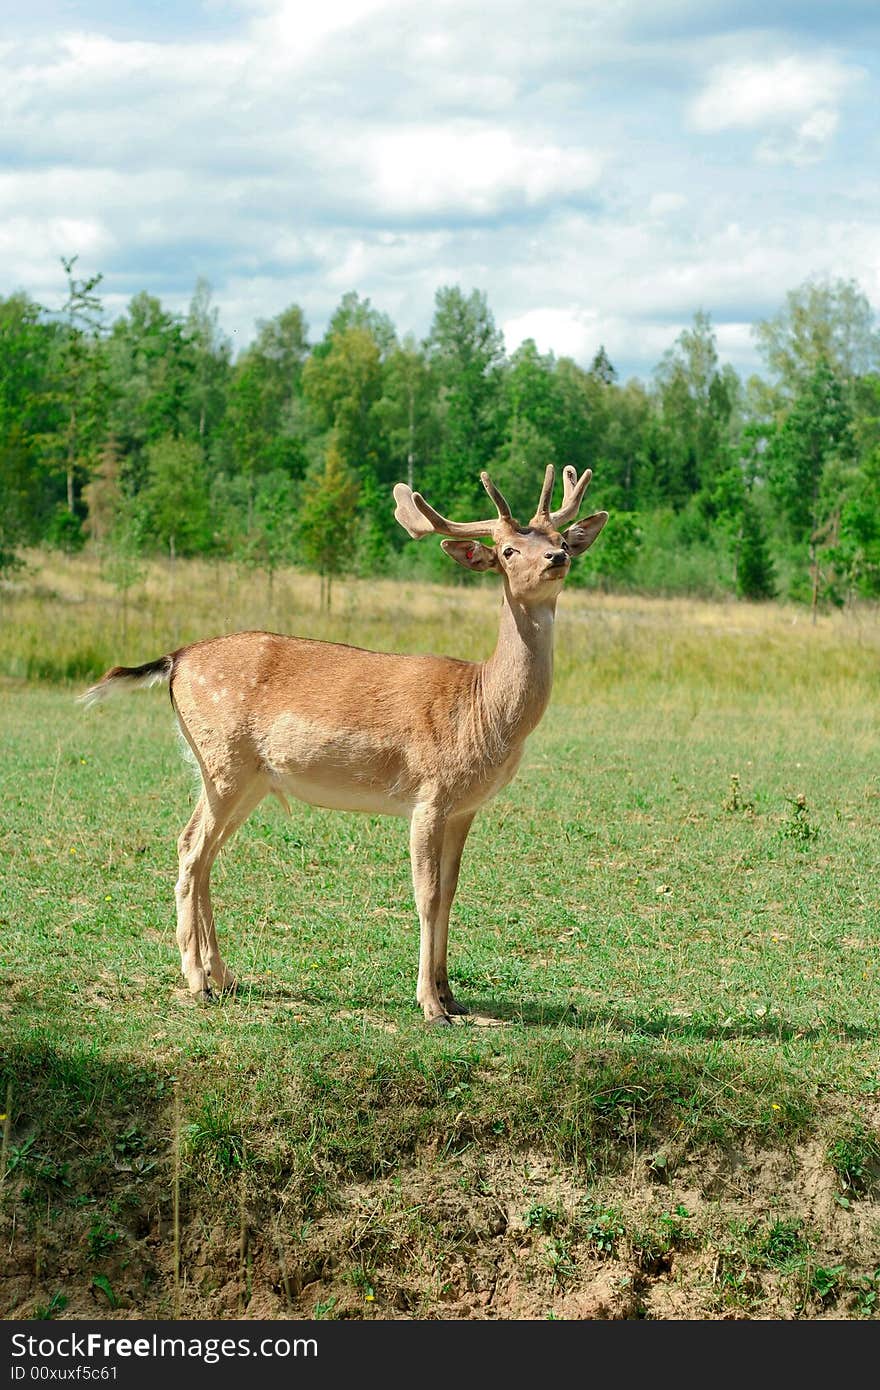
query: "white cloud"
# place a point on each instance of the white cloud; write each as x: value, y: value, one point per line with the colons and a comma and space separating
x: 472, y: 169
x: 794, y: 97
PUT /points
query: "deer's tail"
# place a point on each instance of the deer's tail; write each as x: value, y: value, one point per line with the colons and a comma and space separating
x: 128, y: 678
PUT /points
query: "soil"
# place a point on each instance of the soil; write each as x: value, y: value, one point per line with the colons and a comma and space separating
x: 495, y: 1235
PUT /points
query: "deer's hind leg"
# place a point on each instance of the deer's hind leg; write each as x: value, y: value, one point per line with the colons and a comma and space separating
x: 216, y: 817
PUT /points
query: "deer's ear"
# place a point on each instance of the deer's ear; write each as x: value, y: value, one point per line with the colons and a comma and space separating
x: 581, y: 535
x: 472, y: 554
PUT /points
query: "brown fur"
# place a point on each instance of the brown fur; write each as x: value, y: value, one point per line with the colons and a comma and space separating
x: 429, y: 738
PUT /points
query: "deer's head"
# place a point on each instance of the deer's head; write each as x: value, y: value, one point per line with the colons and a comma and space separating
x: 534, y: 559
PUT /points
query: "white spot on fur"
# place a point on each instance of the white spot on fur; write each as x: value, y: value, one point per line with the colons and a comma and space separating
x: 201, y: 680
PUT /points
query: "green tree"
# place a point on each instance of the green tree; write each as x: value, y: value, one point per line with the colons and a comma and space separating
x: 151, y: 370
x: 407, y: 414
x: 326, y: 521
x: 809, y: 461
x: 466, y: 352
x: 173, y: 503
x: 211, y: 354
x: 529, y: 409
x: 755, y: 571
x: 81, y: 383
x: 697, y: 400
x: 264, y: 422
x: 822, y: 323
x: 270, y: 542
x: 29, y: 415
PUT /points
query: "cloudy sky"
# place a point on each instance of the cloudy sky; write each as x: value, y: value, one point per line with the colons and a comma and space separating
x: 600, y: 168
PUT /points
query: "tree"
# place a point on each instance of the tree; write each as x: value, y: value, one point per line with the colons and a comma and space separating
x: 211, y: 353
x: 270, y: 543
x: 152, y: 363
x: 29, y: 417
x: 816, y: 431
x: 407, y: 413
x: 342, y: 385
x: 755, y: 571
x: 81, y: 385
x: 327, y: 505
x: 821, y: 322
x: 263, y: 424
x: 465, y: 351
x: 697, y: 400
x: 173, y: 503
x: 809, y: 461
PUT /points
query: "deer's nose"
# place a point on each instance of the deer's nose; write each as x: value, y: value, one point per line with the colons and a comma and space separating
x: 556, y: 557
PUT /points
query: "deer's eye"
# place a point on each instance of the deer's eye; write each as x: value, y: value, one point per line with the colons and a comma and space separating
x: 508, y: 551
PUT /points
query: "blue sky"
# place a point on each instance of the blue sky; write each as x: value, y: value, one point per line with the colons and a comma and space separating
x: 600, y: 170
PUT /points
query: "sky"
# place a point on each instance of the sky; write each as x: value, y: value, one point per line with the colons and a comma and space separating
x: 600, y: 169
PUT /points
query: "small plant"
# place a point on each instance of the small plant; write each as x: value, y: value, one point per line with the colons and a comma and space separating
x: 41, y: 1167
x: 734, y: 802
x: 45, y: 1312
x: 216, y: 1138
x: 865, y: 1292
x: 365, y: 1280
x: 544, y: 1219
x: 560, y: 1261
x: 323, y: 1310
x: 102, y: 1283
x: 799, y: 827
x: 784, y: 1247
x: 102, y: 1238
x: 603, y: 1228
x: 855, y: 1158
x: 825, y: 1283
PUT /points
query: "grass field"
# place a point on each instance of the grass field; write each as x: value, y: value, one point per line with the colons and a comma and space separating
x: 673, y: 910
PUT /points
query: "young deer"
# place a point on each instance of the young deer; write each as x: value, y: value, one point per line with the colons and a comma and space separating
x: 426, y: 737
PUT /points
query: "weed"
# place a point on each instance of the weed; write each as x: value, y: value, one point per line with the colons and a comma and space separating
x: 44, y: 1312
x: 364, y: 1279
x: 101, y: 1239
x: 799, y: 827
x: 825, y: 1282
x: 602, y: 1227
x: 855, y: 1158
x: 215, y: 1138
x: 785, y: 1247
x: 543, y: 1218
x: 866, y: 1291
x: 560, y: 1261
x: 102, y: 1283
x: 41, y: 1167
x: 734, y: 802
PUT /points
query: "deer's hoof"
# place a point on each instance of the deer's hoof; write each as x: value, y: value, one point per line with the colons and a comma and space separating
x: 441, y: 1021
x: 452, y: 1006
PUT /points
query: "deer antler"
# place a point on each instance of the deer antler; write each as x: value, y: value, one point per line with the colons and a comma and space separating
x: 419, y: 518
x: 572, y: 496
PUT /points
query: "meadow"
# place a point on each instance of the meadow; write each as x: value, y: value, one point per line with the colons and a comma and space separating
x: 667, y: 1101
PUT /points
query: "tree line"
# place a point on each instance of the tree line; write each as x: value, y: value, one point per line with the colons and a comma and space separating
x: 148, y: 434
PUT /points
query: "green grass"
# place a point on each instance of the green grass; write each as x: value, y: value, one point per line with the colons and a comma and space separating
x: 683, y: 960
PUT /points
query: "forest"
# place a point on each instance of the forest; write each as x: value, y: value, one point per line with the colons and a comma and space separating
x: 150, y: 435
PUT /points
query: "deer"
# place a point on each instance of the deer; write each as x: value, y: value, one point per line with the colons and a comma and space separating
x: 427, y: 738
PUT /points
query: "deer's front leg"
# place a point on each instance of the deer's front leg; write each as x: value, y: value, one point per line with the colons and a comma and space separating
x: 450, y: 863
x: 425, y: 848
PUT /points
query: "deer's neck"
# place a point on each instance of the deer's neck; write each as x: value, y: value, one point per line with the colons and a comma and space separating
x: 517, y: 678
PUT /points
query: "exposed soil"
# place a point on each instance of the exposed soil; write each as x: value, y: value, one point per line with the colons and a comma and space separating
x: 714, y: 1235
